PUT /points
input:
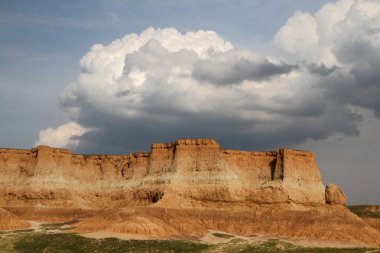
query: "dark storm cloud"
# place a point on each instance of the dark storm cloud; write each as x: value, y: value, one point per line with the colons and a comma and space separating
x: 321, y: 69
x: 118, y: 135
x: 346, y: 89
x: 361, y: 85
x: 233, y: 71
x: 305, y: 106
x: 120, y: 138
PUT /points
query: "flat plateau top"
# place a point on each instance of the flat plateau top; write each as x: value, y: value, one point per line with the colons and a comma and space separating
x: 167, y: 145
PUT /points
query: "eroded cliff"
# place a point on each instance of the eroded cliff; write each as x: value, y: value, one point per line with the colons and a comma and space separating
x: 179, y: 189
x: 184, y: 173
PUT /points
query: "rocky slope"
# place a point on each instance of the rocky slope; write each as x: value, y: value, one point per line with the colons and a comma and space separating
x: 183, y: 188
x: 9, y: 221
x: 323, y: 223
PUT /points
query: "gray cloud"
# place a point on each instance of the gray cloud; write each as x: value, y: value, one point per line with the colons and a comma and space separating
x: 321, y: 69
x: 154, y: 92
x: 361, y: 86
x: 235, y: 71
x: 163, y: 85
x: 126, y: 135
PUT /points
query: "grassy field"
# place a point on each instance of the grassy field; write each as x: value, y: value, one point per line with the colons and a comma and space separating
x: 59, y: 226
x: 276, y: 246
x: 32, y: 242
x: 360, y: 211
x: 73, y: 243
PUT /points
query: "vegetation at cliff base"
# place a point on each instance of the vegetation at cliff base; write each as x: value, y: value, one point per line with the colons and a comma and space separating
x: 31, y: 242
x: 222, y: 235
x: 73, y: 243
x: 362, y: 211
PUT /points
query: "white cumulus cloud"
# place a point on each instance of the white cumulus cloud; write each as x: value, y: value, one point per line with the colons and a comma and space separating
x: 344, y: 37
x: 163, y: 84
x: 63, y: 136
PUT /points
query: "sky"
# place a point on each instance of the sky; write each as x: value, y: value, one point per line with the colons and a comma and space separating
x: 114, y: 76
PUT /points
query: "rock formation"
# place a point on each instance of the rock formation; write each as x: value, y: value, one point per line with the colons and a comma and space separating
x: 335, y: 195
x: 196, y: 171
x: 182, y: 188
x: 9, y: 221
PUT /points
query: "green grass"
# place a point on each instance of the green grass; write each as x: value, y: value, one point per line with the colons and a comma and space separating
x: 72, y: 243
x: 222, y: 235
x: 257, y: 249
x: 7, y: 244
x: 18, y: 231
x: 277, y: 246
x: 28, y: 230
x: 360, y: 211
x: 237, y: 240
x: 59, y: 226
x: 53, y: 226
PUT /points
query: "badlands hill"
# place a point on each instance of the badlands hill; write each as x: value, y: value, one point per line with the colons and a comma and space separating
x: 181, y: 189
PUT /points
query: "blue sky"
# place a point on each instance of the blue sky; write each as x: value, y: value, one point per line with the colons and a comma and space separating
x: 42, y: 43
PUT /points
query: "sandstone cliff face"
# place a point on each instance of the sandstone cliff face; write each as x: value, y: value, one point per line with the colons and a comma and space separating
x: 183, y: 173
x: 180, y: 189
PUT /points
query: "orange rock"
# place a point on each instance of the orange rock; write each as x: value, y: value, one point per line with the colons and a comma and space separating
x: 180, y: 189
x: 9, y: 221
x: 335, y: 195
x: 194, y: 170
